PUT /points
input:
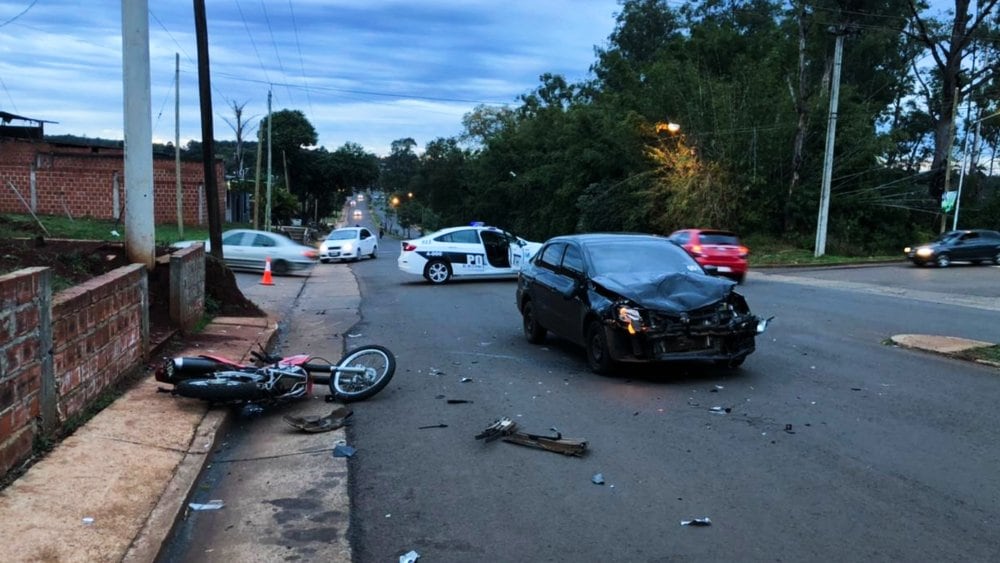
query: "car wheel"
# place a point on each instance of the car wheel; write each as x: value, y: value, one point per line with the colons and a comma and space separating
x: 534, y: 332
x: 996, y: 259
x: 279, y: 267
x: 598, y: 357
x: 943, y: 261
x: 374, y: 252
x: 324, y: 260
x: 437, y: 272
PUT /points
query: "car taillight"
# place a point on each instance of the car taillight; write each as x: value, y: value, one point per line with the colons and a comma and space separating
x: 409, y: 247
x: 696, y: 250
x: 744, y: 252
x: 310, y: 254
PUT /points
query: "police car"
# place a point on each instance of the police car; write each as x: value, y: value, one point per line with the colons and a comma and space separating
x: 466, y: 252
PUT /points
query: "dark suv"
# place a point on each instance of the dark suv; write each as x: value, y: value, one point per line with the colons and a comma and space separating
x: 975, y: 245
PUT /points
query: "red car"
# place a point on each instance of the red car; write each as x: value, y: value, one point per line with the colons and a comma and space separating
x: 710, y: 247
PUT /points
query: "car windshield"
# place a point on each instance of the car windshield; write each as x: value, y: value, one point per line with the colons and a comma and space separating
x: 630, y: 256
x: 943, y: 237
x: 342, y: 235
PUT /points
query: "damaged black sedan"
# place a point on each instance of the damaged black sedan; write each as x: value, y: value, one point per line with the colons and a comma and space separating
x: 634, y: 298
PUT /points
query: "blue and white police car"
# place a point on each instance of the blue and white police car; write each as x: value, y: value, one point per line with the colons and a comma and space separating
x: 475, y: 251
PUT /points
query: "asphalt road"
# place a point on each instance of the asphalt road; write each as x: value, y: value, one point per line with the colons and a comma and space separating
x: 835, y: 447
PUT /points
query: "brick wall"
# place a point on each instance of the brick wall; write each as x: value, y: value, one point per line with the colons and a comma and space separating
x: 97, y: 335
x: 97, y: 332
x: 20, y: 362
x: 90, y: 182
x: 187, y: 286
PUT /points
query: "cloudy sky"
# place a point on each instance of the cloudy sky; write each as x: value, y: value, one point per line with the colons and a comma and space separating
x: 364, y: 71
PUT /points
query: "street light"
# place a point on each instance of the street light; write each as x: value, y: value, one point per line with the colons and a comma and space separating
x: 669, y: 127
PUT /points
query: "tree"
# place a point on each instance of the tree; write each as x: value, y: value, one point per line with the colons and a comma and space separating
x: 240, y: 129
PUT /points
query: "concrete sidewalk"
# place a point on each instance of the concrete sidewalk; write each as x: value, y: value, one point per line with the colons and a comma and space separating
x: 112, y: 490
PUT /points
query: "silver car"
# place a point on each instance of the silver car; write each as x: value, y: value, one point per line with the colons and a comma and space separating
x: 247, y: 249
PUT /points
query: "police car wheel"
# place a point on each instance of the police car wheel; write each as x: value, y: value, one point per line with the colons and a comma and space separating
x: 437, y: 272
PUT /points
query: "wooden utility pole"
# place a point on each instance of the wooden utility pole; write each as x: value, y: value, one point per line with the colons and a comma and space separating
x: 256, y: 183
x: 267, y: 216
x: 177, y: 144
x: 207, y: 133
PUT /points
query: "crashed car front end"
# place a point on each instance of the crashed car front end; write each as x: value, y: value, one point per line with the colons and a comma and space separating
x: 707, y: 324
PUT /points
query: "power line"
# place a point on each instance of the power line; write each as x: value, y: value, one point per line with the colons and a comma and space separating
x: 24, y: 11
x: 246, y: 26
x: 298, y: 45
x: 274, y: 43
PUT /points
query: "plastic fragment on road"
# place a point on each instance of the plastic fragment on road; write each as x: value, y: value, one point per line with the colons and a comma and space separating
x: 88, y: 520
x: 597, y: 479
x: 210, y: 505
x: 506, y: 429
x: 466, y: 379
x: 409, y: 557
x: 721, y: 410
x: 343, y: 450
x: 313, y: 424
x: 458, y: 401
x: 706, y: 521
x: 432, y: 426
x: 788, y: 428
x: 435, y: 371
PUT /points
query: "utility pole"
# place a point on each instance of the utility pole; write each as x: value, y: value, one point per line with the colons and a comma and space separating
x: 947, y: 166
x: 256, y: 182
x: 831, y: 133
x: 207, y: 132
x: 139, y: 230
x: 177, y: 144
x: 267, y: 215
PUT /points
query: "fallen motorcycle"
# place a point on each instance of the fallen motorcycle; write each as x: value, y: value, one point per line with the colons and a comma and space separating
x: 359, y: 375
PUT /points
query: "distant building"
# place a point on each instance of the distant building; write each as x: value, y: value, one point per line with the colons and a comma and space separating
x: 87, y: 179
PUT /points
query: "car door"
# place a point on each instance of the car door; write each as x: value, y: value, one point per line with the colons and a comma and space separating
x: 234, y: 249
x: 571, y: 308
x: 515, y: 252
x: 366, y: 244
x: 966, y: 247
x: 463, y: 250
x: 258, y: 248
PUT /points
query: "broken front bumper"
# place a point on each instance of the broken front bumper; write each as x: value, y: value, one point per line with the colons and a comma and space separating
x: 731, y: 341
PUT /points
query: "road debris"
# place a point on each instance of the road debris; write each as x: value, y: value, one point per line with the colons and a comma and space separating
x: 706, y: 521
x: 788, y: 429
x: 721, y: 410
x: 313, y: 424
x: 210, y: 505
x: 458, y: 401
x: 343, y: 450
x: 505, y: 429
x: 409, y: 557
x: 597, y: 479
x: 466, y: 379
x: 88, y: 520
x: 432, y: 426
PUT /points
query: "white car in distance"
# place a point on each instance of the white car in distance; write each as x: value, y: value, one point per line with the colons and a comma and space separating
x: 348, y: 243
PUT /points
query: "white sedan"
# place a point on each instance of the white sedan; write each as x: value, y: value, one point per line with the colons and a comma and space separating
x: 348, y: 243
x: 466, y: 252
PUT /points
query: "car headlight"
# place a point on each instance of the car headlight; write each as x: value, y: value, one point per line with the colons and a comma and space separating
x: 348, y: 246
x: 925, y: 251
x: 323, y: 247
x: 907, y: 250
x: 631, y: 318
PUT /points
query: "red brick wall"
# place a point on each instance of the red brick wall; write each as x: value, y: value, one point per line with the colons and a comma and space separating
x: 97, y: 335
x: 20, y: 365
x: 81, y: 180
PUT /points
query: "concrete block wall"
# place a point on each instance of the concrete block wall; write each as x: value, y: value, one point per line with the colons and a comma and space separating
x: 64, y: 180
x: 187, y: 286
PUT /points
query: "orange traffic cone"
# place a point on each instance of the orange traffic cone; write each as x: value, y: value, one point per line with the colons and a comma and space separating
x: 266, y: 280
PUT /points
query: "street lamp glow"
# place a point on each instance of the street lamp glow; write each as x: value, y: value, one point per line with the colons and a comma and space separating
x: 669, y: 127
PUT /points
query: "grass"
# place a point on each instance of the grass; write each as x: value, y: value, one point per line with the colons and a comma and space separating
x: 770, y: 251
x: 14, y: 225
x: 986, y: 353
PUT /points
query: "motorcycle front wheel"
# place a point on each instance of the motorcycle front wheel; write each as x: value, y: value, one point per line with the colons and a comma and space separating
x: 220, y: 390
x: 379, y: 365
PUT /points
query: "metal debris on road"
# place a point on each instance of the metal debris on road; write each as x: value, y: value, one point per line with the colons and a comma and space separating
x: 458, y: 401
x: 466, y: 379
x: 506, y: 429
x: 210, y: 505
x: 706, y: 521
x: 432, y: 426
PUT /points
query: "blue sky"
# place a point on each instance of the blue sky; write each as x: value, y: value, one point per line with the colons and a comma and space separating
x: 364, y: 71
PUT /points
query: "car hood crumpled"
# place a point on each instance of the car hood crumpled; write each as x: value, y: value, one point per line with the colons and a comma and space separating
x: 670, y: 292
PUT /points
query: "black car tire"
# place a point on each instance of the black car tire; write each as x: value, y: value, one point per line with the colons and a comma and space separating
x: 534, y: 332
x: 374, y: 252
x: 437, y: 272
x: 598, y: 356
x: 279, y: 267
x: 942, y: 261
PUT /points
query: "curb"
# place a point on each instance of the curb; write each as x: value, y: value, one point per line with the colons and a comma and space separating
x: 948, y: 346
x: 169, y: 507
